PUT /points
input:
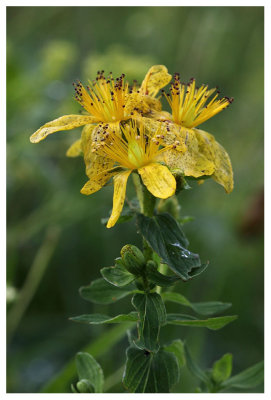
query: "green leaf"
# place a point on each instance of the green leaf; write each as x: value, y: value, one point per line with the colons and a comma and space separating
x: 152, y: 314
x: 247, y: 379
x: 210, y: 307
x: 194, y: 368
x: 222, y: 368
x: 185, y: 219
x: 177, y: 347
x: 147, y: 372
x: 167, y: 239
x: 118, y: 275
x: 96, y: 319
x: 88, y: 368
x: 159, y: 279
x: 210, y: 323
x: 203, y: 308
x: 102, y: 292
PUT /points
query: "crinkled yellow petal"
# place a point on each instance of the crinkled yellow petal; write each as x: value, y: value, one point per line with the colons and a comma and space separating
x: 156, y: 78
x: 64, y: 123
x: 158, y: 180
x: 120, y: 182
x: 97, y: 181
x: 162, y: 116
x: 86, y: 141
x: 191, y: 162
x: 86, y: 136
x: 212, y: 150
x: 93, y: 162
x: 137, y: 102
x: 75, y: 149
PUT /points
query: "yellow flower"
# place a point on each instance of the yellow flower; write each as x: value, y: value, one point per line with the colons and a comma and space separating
x: 109, y: 101
x: 190, y: 107
x: 118, y: 154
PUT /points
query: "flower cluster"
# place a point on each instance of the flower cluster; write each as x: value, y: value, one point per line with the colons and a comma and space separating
x: 126, y: 130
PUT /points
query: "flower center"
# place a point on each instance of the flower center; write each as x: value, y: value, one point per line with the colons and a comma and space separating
x: 105, y: 98
x: 136, y: 154
x: 188, y: 103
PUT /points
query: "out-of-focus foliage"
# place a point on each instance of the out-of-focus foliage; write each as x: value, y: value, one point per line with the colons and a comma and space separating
x: 47, y: 49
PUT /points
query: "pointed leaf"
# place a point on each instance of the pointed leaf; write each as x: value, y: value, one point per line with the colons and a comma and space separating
x: 159, y: 279
x: 96, y: 319
x: 177, y: 347
x: 152, y: 314
x: 210, y: 323
x: 167, y: 239
x: 118, y: 275
x: 102, y: 292
x: 203, y: 308
x: 88, y: 368
x: 222, y: 368
x: 147, y: 372
x: 194, y: 368
x: 210, y: 307
x: 247, y: 379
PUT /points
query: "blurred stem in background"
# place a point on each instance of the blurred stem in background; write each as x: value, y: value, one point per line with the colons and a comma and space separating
x: 33, y: 279
x: 60, y: 383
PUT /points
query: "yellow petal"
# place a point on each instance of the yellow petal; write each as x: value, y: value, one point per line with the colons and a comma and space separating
x: 191, y: 162
x: 93, y: 162
x: 75, y: 149
x: 158, y: 180
x: 64, y: 123
x: 97, y: 181
x: 156, y: 78
x: 120, y: 182
x: 223, y: 173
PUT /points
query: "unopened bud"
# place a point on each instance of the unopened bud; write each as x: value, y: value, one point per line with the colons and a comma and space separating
x: 133, y: 259
x: 84, y: 386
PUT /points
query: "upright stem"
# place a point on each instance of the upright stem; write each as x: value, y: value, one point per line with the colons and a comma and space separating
x: 147, y: 204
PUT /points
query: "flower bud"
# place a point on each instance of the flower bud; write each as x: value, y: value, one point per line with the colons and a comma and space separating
x: 133, y: 259
x: 84, y: 386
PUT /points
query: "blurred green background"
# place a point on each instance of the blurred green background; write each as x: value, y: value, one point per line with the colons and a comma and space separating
x: 56, y: 232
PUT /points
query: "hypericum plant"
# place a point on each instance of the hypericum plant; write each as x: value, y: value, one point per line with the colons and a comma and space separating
x: 125, y: 133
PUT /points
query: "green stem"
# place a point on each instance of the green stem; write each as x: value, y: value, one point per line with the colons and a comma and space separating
x: 145, y: 198
x: 113, y: 379
x: 33, y: 279
x: 147, y: 204
x: 163, y: 270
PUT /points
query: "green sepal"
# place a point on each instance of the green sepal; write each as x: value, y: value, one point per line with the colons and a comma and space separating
x: 117, y: 275
x: 102, y: 292
x: 177, y: 347
x: 180, y: 181
x: 210, y: 323
x: 147, y: 372
x: 152, y: 314
x: 97, y: 319
x: 247, y: 379
x: 222, y: 368
x: 167, y: 239
x: 202, y: 308
x: 90, y: 371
